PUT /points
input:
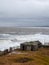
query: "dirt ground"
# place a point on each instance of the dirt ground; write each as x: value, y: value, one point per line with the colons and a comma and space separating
x: 40, y: 57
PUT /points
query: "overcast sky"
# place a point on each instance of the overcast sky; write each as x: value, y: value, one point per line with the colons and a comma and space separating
x: 24, y: 12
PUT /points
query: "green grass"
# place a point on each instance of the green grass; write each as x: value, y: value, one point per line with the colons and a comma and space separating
x: 40, y: 57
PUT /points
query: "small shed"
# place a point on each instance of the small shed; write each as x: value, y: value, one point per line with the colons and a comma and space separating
x: 32, y: 46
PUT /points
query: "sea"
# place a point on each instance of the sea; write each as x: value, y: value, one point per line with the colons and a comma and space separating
x: 14, y: 36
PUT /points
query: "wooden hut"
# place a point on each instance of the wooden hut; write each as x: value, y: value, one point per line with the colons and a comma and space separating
x: 32, y: 46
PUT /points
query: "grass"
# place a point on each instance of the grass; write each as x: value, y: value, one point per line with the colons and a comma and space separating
x: 22, y: 60
x: 40, y: 57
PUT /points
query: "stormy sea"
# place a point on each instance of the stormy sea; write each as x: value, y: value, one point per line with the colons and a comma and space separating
x: 14, y: 36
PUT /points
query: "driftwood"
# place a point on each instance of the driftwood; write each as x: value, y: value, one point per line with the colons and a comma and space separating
x: 6, y: 51
x: 1, y: 53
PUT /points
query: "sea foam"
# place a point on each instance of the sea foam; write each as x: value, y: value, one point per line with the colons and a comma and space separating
x: 7, y: 40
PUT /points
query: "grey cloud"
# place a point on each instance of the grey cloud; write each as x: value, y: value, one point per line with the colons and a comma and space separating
x: 24, y: 8
x: 33, y: 10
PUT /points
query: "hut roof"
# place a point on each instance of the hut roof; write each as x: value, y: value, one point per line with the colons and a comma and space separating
x: 31, y: 43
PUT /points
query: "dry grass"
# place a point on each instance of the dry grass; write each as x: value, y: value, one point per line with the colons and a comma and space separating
x: 40, y: 57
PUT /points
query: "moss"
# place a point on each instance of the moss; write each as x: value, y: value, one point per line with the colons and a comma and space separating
x: 22, y: 60
x: 39, y: 57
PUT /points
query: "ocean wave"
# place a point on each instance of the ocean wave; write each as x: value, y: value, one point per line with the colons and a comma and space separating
x: 16, y: 40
